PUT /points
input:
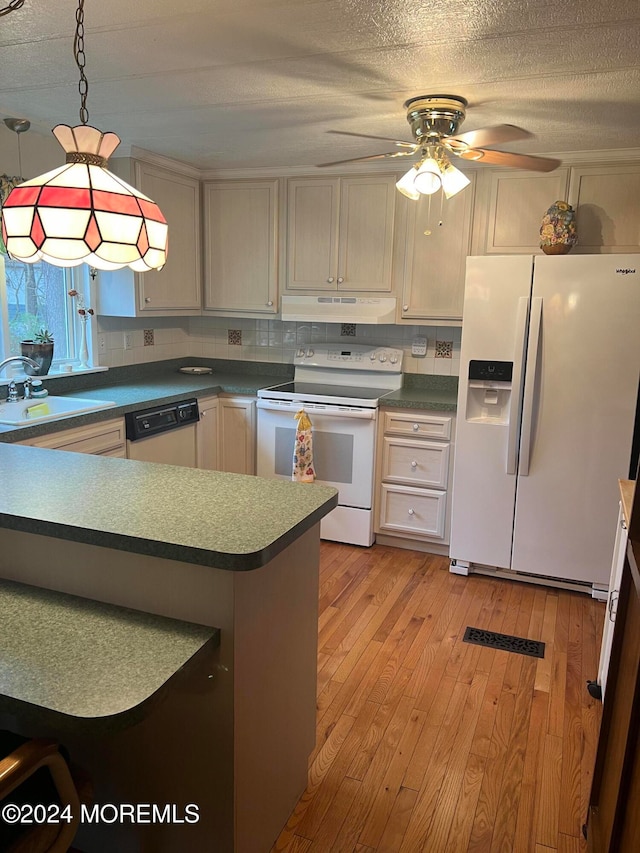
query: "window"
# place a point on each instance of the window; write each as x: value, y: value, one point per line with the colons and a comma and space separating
x: 36, y: 296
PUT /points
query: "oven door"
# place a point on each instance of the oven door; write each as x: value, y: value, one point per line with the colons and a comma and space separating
x: 343, y: 446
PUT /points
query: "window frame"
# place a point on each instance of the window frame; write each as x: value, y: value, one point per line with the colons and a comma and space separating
x: 75, y: 278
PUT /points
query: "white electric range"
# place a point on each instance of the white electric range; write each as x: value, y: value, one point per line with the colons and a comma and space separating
x: 339, y: 387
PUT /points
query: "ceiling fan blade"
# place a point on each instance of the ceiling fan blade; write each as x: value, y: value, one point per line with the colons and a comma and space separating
x: 411, y: 145
x: 496, y: 135
x: 506, y: 158
x: 389, y: 154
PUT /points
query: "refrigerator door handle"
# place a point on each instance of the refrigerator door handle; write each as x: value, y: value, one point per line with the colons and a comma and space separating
x: 516, y: 385
x: 530, y: 385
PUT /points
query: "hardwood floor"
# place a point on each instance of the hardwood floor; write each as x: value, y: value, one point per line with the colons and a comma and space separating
x: 427, y: 743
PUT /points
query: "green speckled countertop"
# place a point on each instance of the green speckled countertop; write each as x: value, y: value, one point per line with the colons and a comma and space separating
x: 436, y: 393
x: 149, y: 388
x: 227, y: 521
x: 140, y: 386
x: 84, y: 659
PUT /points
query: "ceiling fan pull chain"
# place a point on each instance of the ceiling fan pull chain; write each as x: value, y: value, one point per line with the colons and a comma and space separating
x: 427, y: 232
x: 78, y: 53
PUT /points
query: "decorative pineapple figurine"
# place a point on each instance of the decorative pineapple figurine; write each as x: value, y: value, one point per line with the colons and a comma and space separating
x: 558, y: 230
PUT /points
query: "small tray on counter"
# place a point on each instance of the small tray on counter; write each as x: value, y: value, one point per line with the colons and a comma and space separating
x: 195, y: 371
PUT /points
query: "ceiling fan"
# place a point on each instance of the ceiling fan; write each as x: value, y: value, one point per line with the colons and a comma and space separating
x: 434, y: 122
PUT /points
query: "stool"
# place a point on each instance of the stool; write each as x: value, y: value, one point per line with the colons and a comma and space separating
x: 35, y: 771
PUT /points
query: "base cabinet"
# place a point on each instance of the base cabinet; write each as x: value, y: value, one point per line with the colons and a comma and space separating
x: 237, y: 442
x: 413, y: 477
x: 106, y: 438
x: 207, y: 434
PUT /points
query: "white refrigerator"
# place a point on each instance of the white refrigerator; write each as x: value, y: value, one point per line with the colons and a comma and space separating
x: 549, y: 369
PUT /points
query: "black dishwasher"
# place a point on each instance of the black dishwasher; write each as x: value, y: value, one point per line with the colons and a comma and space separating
x: 158, y: 419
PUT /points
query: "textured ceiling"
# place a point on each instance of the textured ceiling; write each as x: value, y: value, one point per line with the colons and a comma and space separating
x: 234, y: 83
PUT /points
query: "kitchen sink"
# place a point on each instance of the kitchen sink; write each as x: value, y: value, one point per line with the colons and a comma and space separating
x: 17, y: 414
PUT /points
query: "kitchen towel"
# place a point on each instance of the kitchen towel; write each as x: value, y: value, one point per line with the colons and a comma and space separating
x: 303, y: 471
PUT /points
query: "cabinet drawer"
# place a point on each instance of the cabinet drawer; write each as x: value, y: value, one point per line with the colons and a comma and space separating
x: 431, y: 426
x: 99, y: 438
x: 417, y: 511
x: 417, y: 463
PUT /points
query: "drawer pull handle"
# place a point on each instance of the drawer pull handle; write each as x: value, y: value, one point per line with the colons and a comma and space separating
x: 416, y: 427
x: 414, y: 464
x: 412, y: 511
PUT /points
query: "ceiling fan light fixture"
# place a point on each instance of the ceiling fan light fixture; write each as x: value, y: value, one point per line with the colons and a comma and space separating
x: 428, y: 177
x: 406, y: 184
x: 453, y: 180
x: 82, y: 212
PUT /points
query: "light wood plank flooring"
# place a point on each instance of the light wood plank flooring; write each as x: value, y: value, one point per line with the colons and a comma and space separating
x: 426, y: 743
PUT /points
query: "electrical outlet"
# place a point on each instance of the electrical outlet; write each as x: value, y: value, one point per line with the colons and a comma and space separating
x: 102, y: 343
x: 128, y: 340
x: 419, y: 347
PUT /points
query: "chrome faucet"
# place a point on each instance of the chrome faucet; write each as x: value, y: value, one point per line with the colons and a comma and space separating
x: 13, y: 391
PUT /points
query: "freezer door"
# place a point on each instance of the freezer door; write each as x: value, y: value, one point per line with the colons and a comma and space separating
x: 484, y: 480
x: 577, y: 431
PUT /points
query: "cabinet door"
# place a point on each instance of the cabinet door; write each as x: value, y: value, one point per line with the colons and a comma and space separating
x: 177, y: 285
x: 607, y: 212
x: 237, y: 435
x: 105, y: 438
x: 367, y: 217
x: 241, y: 248
x: 510, y: 206
x: 434, y: 269
x: 207, y: 434
x: 312, y: 233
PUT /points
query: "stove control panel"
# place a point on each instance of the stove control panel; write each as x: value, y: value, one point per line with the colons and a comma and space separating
x: 350, y: 357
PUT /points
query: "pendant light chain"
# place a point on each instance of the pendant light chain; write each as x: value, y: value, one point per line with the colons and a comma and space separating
x: 11, y: 7
x: 80, y: 58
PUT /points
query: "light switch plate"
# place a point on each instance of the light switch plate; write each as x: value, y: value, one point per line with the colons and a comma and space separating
x: 419, y: 347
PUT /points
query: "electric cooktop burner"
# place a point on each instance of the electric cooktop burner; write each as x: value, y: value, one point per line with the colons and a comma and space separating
x: 313, y: 389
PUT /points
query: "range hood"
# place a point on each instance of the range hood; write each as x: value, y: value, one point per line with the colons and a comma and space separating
x: 339, y: 309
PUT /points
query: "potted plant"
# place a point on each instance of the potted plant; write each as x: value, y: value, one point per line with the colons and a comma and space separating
x: 40, y: 349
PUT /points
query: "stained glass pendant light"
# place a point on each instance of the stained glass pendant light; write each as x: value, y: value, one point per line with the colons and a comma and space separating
x: 82, y: 212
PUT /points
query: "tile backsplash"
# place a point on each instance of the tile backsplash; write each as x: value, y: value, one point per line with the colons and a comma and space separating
x: 128, y: 340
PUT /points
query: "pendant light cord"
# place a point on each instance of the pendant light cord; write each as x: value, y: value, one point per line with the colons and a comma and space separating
x: 11, y: 7
x: 78, y: 53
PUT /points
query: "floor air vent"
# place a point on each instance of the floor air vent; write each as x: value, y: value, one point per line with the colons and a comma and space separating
x: 505, y: 642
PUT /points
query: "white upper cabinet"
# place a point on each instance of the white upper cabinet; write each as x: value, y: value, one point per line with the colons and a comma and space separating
x: 605, y: 199
x: 509, y: 208
x: 340, y: 233
x: 434, y: 262
x: 241, y: 247
x: 176, y: 288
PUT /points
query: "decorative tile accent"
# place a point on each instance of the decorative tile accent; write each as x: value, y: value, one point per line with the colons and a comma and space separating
x: 148, y: 337
x: 347, y: 330
x: 234, y: 337
x: 444, y: 349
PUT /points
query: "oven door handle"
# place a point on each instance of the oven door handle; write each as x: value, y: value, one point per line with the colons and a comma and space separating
x: 317, y: 410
